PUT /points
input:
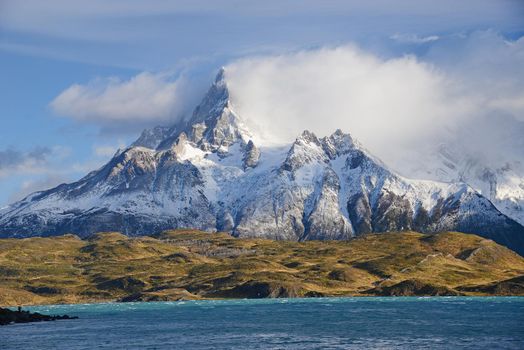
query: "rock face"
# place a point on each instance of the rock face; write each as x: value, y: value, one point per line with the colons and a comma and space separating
x: 251, y: 155
x: 207, y: 173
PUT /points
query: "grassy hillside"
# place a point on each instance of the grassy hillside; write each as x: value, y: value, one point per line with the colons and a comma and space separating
x: 188, y: 264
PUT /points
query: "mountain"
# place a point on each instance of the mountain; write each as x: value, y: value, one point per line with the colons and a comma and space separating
x: 502, y: 183
x: 208, y: 173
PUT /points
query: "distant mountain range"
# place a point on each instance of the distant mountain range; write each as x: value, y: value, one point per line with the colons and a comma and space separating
x: 502, y: 184
x: 207, y: 173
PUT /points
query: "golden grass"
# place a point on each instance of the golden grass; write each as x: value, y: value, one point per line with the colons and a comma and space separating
x: 190, y: 264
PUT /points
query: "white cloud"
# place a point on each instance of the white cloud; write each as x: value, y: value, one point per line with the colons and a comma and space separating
x: 105, y: 151
x: 108, y: 151
x: 461, y: 88
x: 34, y: 161
x: 157, y: 33
x: 392, y: 106
x: 414, y: 39
x: 487, y: 65
x: 53, y: 16
x: 23, y: 172
x: 29, y: 186
x: 513, y: 104
x: 378, y: 101
x: 145, y: 98
x: 42, y: 168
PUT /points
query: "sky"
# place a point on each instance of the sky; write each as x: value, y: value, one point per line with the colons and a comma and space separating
x: 80, y: 79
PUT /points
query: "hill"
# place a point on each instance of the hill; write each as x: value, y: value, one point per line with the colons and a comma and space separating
x: 190, y: 264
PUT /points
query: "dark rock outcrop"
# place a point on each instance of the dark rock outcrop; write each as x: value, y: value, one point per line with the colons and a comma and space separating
x: 8, y: 316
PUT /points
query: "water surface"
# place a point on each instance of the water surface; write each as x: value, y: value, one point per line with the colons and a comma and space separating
x: 317, y: 323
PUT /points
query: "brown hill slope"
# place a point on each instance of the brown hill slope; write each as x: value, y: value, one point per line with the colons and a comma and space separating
x: 188, y: 264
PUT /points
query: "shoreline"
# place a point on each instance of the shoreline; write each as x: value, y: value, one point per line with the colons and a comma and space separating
x: 370, y: 297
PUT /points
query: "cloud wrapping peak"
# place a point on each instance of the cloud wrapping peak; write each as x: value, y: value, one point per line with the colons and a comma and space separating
x: 392, y: 105
x: 379, y: 101
x: 396, y: 105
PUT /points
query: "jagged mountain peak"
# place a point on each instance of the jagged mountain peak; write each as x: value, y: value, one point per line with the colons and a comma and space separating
x: 220, y: 77
x: 214, y: 102
x: 307, y: 136
x: 213, y: 125
x: 308, y: 147
x: 333, y: 144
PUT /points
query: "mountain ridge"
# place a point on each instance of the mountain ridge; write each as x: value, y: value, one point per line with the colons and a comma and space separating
x: 207, y: 173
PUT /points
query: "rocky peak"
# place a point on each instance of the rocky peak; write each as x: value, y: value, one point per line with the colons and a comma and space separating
x: 180, y: 144
x: 307, y: 137
x: 214, y: 102
x: 306, y: 149
x: 133, y: 159
x: 151, y: 138
x: 213, y: 126
x: 337, y: 144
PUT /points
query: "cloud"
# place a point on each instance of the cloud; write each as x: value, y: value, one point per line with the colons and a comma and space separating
x: 12, y: 160
x: 55, y: 15
x: 156, y: 33
x: 41, y: 168
x: 108, y: 151
x: 467, y: 88
x: 29, y: 186
x: 379, y: 101
x: 414, y: 39
x: 459, y: 88
x: 112, y: 103
x: 488, y: 65
x: 38, y: 160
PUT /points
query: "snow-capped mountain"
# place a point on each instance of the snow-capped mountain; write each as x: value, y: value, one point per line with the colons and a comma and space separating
x: 503, y: 184
x: 207, y: 172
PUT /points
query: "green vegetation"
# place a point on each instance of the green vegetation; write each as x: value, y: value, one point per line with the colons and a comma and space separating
x: 189, y: 264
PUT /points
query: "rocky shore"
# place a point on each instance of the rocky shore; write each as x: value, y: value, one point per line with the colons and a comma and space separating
x: 8, y: 316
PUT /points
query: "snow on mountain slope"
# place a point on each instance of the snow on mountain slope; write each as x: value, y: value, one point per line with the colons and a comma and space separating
x: 502, y: 183
x: 207, y: 173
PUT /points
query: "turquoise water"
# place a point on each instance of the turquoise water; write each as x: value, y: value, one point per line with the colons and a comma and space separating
x: 323, y: 323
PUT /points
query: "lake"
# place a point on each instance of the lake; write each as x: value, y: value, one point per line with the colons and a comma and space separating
x: 315, y: 323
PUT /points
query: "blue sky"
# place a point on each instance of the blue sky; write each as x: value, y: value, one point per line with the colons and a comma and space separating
x: 85, y: 51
